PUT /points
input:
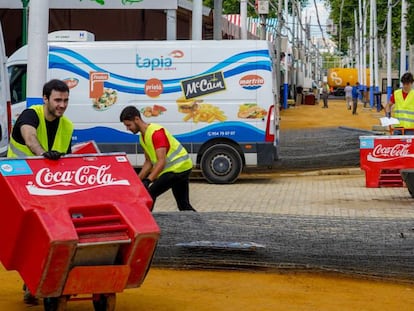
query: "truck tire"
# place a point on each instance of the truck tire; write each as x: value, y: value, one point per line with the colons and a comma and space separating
x: 221, y: 164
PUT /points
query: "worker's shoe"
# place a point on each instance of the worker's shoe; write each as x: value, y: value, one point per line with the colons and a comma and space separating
x: 28, y: 298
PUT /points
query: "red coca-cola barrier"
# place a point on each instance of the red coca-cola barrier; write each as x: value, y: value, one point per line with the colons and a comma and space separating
x: 78, y: 225
x: 381, y: 157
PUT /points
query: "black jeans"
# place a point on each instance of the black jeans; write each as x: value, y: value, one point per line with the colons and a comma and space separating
x: 354, y: 105
x: 178, y: 183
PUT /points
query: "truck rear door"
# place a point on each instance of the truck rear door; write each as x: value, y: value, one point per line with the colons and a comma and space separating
x: 4, y: 99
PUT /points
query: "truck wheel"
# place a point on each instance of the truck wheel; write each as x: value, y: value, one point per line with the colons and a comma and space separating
x: 221, y: 164
x: 55, y: 303
x: 104, y: 302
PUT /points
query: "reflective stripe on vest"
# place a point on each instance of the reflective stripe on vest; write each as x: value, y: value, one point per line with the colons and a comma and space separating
x: 177, y: 159
x: 62, y: 139
x: 404, y: 108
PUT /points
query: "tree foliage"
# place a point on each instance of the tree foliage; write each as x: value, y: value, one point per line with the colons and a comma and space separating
x: 233, y: 6
x: 348, y: 20
x: 410, y: 22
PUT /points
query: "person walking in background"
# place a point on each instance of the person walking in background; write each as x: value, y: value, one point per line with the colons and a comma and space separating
x: 355, y: 95
x: 325, y: 94
x: 167, y: 164
x: 348, y: 95
x: 402, y: 104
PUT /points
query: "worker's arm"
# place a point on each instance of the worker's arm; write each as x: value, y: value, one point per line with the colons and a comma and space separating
x: 160, y: 164
x: 388, y: 106
x: 387, y: 109
x: 146, y: 167
x: 29, y: 135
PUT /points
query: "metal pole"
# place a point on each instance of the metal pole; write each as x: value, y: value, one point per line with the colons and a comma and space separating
x: 24, y: 21
x: 375, y: 39
x: 171, y: 24
x: 197, y: 20
x: 389, y: 30
x: 37, y: 50
x: 286, y: 79
x: 278, y: 47
x: 403, y: 48
x: 218, y: 11
x: 360, y: 36
x: 371, y: 53
x: 262, y: 26
x: 243, y: 19
x: 357, y: 58
x: 364, y: 48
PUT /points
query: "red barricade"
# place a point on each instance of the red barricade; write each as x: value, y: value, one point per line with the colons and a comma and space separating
x: 78, y: 225
x: 382, y: 157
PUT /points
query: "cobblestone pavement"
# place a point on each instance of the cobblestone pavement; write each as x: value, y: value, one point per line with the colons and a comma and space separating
x: 323, y: 220
x: 319, y: 193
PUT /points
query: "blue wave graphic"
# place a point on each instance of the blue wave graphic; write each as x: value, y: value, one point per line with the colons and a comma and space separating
x: 238, y: 131
x: 58, y: 62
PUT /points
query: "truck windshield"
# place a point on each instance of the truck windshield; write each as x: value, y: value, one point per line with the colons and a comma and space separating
x: 17, y: 75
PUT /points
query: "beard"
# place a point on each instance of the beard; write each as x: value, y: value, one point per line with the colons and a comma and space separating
x: 57, y: 113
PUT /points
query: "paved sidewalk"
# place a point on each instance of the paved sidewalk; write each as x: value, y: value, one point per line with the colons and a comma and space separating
x: 319, y: 193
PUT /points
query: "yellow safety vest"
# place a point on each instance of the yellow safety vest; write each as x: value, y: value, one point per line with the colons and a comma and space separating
x: 62, y: 139
x: 178, y: 159
x: 404, y: 109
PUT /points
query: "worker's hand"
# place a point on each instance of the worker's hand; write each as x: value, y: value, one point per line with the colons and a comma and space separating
x: 146, y: 182
x: 52, y: 155
x: 388, y: 114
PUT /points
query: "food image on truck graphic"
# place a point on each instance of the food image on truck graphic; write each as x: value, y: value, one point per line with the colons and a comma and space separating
x: 216, y: 97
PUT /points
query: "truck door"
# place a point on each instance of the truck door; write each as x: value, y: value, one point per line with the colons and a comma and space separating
x: 5, y: 122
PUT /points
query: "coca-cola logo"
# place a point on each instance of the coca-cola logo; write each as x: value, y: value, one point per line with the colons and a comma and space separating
x: 398, y: 150
x: 48, y: 182
x: 382, y: 153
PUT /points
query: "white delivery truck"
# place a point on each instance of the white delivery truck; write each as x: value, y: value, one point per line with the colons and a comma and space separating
x: 216, y: 97
x: 5, y: 121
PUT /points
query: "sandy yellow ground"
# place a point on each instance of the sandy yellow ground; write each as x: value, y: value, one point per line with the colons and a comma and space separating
x: 172, y: 290
x: 313, y: 116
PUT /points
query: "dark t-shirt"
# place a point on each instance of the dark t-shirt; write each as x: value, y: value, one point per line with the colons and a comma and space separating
x: 29, y: 117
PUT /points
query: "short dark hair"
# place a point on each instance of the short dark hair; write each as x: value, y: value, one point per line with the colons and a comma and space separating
x: 55, y: 84
x: 407, y: 78
x: 129, y: 113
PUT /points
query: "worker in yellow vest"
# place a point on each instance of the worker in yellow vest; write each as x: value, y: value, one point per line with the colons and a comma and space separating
x: 43, y: 129
x: 167, y: 164
x: 401, y: 104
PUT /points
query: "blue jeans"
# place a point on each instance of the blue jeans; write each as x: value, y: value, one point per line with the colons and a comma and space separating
x: 400, y: 132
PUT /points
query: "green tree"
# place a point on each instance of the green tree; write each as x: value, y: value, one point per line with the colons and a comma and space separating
x: 347, y: 20
x: 233, y: 6
x: 410, y: 22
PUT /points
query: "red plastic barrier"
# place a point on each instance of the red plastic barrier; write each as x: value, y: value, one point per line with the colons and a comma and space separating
x: 381, y: 157
x: 78, y: 225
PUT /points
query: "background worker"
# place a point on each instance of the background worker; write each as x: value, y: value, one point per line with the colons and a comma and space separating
x: 348, y: 95
x: 167, y: 164
x: 43, y: 129
x: 355, y: 96
x: 402, y: 104
x: 325, y: 94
